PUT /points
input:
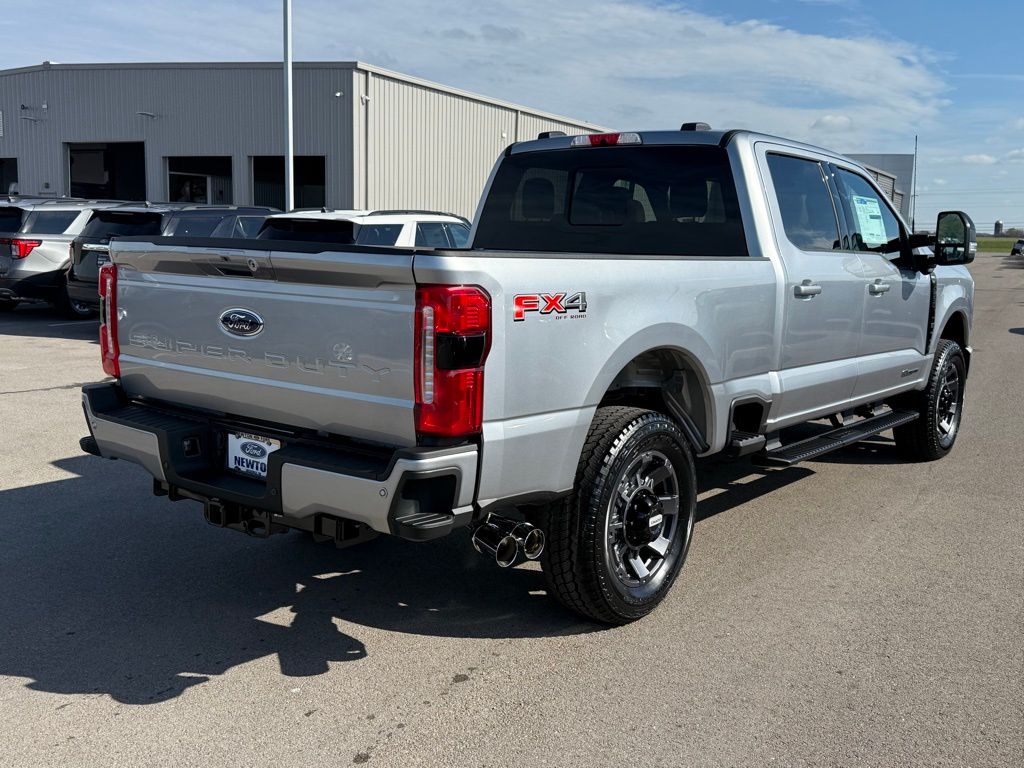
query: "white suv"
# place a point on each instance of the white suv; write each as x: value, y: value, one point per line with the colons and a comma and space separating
x: 392, y: 229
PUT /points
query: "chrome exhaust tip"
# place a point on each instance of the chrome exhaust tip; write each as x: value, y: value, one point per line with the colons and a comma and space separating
x: 489, y: 539
x: 531, y: 540
x: 504, y: 539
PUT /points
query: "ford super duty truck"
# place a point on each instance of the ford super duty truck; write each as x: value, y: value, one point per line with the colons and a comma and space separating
x: 627, y: 302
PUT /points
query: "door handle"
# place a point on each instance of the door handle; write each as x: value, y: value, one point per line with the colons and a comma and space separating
x: 806, y: 290
x: 877, y: 288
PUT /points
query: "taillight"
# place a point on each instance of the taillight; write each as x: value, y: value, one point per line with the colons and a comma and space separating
x: 453, y: 335
x: 605, y: 139
x: 109, y: 350
x: 21, y: 248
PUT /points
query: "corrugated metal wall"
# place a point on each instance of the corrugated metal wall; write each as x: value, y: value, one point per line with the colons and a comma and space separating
x: 422, y: 147
x: 221, y: 110
x: 390, y: 141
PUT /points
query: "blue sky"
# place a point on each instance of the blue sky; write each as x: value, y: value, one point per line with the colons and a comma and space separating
x: 853, y: 75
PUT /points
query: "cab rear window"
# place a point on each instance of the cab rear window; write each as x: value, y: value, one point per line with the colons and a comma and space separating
x: 664, y: 201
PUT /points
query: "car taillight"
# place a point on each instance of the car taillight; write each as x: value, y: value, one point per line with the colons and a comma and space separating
x: 453, y: 336
x: 21, y: 248
x: 109, y: 350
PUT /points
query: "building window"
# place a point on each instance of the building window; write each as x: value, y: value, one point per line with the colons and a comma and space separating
x: 199, y: 180
x: 310, y: 181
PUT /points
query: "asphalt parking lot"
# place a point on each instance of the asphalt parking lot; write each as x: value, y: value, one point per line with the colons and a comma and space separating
x: 851, y: 611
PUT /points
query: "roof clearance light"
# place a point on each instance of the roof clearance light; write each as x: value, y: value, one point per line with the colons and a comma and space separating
x: 605, y: 139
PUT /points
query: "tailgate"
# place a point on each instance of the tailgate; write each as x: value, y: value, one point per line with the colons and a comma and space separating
x: 87, y: 256
x: 282, y: 332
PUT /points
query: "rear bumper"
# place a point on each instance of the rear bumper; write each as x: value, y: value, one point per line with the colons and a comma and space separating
x: 414, y: 493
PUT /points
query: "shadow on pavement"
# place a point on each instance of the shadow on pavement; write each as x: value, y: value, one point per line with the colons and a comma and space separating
x: 109, y: 590
x: 44, y: 322
x: 1018, y: 331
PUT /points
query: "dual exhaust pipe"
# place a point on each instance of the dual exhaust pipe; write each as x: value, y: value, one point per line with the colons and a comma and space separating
x: 503, y: 539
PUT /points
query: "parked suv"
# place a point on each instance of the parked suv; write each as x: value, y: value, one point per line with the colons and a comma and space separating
x: 34, y: 239
x: 393, y: 229
x: 90, y: 249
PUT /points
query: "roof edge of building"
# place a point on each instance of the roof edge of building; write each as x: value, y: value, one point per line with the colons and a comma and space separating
x: 349, y: 65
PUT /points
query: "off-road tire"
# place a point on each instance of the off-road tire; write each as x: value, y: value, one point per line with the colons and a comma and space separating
x: 578, y: 568
x: 922, y: 439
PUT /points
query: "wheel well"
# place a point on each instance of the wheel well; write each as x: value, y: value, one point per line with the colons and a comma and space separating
x: 956, y: 330
x: 668, y: 381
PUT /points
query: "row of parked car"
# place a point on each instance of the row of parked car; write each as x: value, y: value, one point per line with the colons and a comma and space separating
x: 52, y: 249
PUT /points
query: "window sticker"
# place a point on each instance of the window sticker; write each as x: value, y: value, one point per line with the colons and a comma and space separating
x: 869, y: 220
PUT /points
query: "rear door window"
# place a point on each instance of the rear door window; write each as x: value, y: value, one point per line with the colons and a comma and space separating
x: 634, y: 200
x: 805, y: 203
x: 48, y: 222
x: 105, y: 224
x: 872, y: 224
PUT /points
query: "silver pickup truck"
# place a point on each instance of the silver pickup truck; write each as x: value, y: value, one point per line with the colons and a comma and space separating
x: 627, y: 302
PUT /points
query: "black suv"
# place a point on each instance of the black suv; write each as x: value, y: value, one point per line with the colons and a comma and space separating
x: 90, y: 249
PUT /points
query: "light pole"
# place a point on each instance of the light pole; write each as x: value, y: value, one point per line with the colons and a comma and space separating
x: 289, y: 132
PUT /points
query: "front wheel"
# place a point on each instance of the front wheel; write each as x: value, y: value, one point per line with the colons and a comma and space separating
x: 8, y: 305
x: 616, y: 544
x: 940, y: 405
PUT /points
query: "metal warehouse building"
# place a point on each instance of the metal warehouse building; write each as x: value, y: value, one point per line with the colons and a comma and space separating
x: 364, y: 137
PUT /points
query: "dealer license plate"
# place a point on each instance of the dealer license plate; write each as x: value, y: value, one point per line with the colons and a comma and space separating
x: 248, y: 453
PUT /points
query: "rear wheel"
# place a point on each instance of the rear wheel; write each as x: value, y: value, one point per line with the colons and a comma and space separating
x: 940, y: 406
x: 73, y: 308
x: 8, y: 305
x: 617, y: 543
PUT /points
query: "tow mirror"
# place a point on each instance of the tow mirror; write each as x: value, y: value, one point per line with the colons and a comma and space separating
x: 956, y: 239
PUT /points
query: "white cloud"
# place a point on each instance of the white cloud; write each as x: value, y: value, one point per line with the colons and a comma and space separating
x: 599, y: 62
x: 979, y: 159
x: 939, y: 182
x: 832, y: 123
x: 1015, y: 156
x: 1019, y: 123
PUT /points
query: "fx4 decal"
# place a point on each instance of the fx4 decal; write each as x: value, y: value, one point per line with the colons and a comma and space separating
x: 574, y: 305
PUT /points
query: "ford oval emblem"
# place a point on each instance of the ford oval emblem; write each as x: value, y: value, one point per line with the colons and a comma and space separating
x: 255, y: 450
x: 241, y: 322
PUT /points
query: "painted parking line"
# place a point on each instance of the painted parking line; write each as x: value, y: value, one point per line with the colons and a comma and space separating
x: 72, y: 322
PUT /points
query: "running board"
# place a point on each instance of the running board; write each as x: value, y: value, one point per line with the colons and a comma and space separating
x: 812, y: 447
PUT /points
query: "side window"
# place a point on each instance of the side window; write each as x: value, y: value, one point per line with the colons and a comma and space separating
x: 48, y: 222
x: 378, y: 234
x: 458, y: 234
x: 805, y: 204
x: 431, y: 234
x: 872, y: 224
x: 248, y: 226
